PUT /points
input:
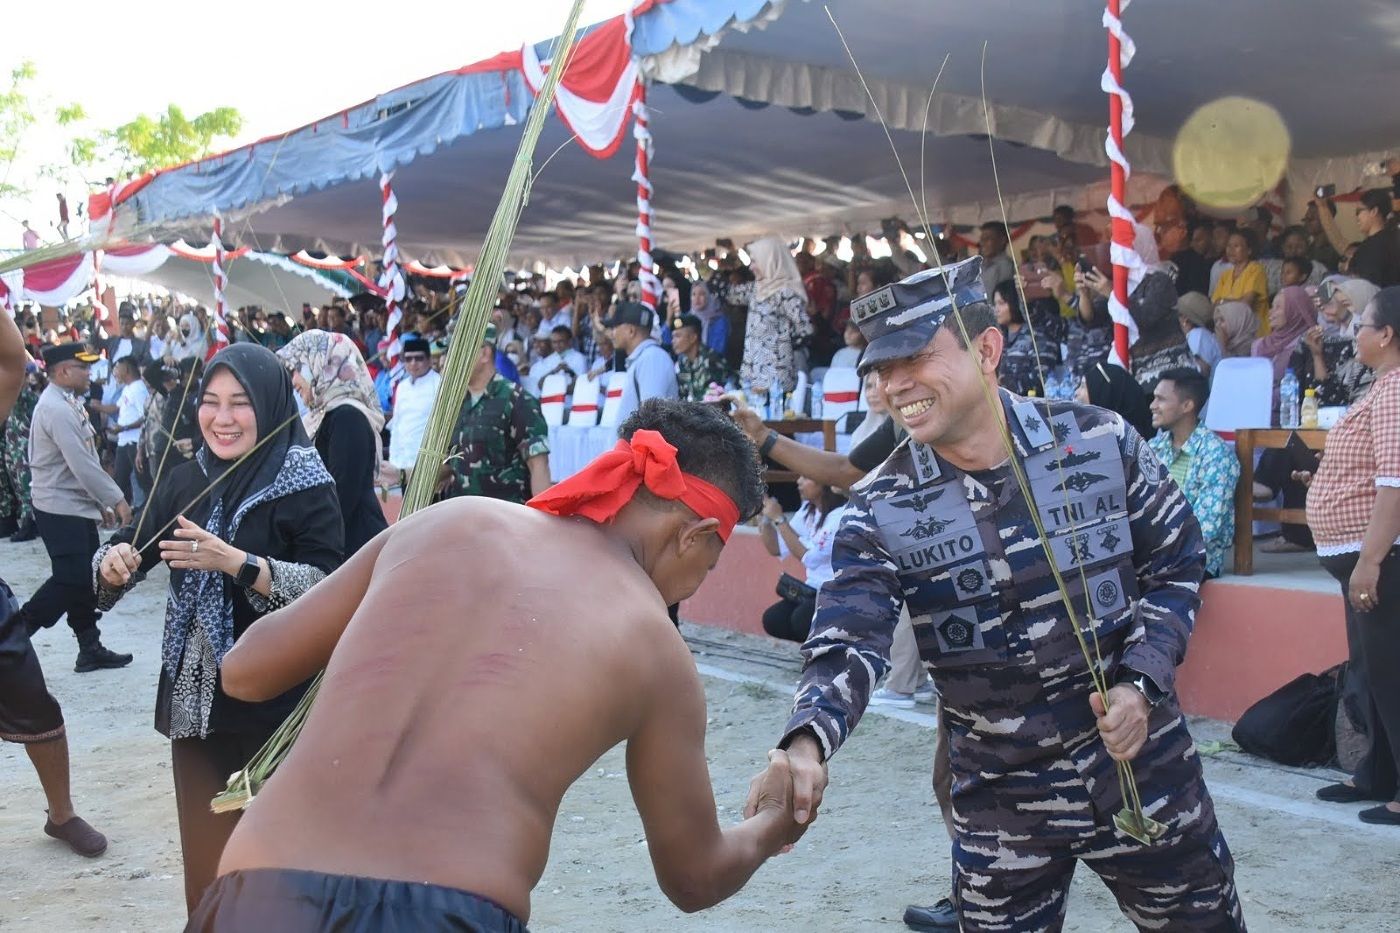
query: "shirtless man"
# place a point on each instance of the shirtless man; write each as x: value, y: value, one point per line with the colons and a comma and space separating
x: 424, y: 786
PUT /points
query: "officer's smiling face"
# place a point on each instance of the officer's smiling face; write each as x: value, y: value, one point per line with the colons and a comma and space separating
x: 938, y: 392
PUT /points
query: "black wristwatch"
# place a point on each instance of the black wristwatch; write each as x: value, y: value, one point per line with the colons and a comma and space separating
x: 1143, y: 684
x: 248, y: 573
x: 767, y: 446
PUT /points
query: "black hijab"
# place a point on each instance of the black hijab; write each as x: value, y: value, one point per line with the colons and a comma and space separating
x: 269, y: 388
x: 1113, y: 388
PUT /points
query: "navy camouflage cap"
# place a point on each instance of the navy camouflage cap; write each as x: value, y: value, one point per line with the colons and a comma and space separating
x: 899, y: 320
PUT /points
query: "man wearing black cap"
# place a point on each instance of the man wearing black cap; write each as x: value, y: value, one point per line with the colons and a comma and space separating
x: 413, y: 402
x: 29, y: 715
x: 651, y: 373
x: 71, y: 493
x: 1003, y: 567
x: 697, y: 366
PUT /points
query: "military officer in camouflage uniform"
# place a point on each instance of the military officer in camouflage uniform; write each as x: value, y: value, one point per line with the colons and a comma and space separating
x: 16, y: 506
x: 500, y: 446
x: 943, y: 526
x: 697, y: 366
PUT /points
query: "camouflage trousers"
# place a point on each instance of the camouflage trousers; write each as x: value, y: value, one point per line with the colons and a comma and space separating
x: 1183, y: 883
x: 15, y: 500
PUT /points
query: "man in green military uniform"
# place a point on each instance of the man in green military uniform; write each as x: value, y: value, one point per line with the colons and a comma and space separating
x: 697, y: 366
x: 16, y: 507
x: 500, y: 445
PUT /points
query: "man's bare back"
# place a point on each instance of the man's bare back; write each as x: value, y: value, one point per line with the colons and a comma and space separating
x: 492, y: 654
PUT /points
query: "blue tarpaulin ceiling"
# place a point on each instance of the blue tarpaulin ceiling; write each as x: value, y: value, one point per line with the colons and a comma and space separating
x: 761, y: 125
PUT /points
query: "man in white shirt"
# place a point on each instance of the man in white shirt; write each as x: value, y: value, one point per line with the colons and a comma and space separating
x: 997, y: 264
x: 413, y: 403
x: 564, y: 359
x: 128, y: 413
x: 651, y: 373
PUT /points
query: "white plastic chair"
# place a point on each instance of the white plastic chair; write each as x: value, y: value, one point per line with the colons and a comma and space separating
x: 1241, y: 394
x: 584, y: 409
x: 554, y: 392
x: 840, y: 394
x: 612, y: 403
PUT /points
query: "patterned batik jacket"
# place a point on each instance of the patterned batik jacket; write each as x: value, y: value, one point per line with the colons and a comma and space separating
x: 1210, y: 487
x: 962, y: 551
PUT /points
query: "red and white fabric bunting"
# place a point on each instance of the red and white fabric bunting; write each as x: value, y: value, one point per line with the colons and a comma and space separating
x: 391, y: 279
x: 221, y: 334
x: 1128, y: 263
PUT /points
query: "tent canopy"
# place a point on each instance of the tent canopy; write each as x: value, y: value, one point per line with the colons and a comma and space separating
x: 262, y: 279
x: 762, y: 125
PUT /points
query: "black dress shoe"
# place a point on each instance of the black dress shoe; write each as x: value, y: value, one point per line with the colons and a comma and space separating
x: 27, y: 531
x: 940, y: 918
x: 1344, y: 793
x: 96, y: 657
x: 8, y: 524
x: 1382, y: 814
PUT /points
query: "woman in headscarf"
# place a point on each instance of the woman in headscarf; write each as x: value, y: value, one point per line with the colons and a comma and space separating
x: 1197, y: 317
x: 343, y: 419
x: 710, y: 311
x: 778, y: 325
x: 246, y: 527
x: 1291, y: 315
x: 1160, y: 344
x: 1108, y: 386
x: 1325, y: 359
x: 190, y: 341
x: 1235, y: 328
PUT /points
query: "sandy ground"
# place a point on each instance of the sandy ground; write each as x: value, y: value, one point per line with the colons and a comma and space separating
x: 878, y: 845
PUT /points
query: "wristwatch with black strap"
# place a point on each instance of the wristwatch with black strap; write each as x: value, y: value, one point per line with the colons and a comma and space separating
x: 248, y: 573
x: 1145, y: 685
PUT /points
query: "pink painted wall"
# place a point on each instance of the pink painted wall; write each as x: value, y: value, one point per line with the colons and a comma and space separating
x: 1249, y: 640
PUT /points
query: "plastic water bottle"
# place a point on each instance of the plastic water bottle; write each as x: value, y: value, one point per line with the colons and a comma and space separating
x: 817, y: 400
x: 1309, y: 415
x: 775, y: 401
x: 1288, y: 401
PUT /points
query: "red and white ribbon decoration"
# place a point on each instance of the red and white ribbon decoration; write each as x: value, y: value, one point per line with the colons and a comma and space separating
x: 1125, y: 257
x: 221, y: 336
x: 391, y: 279
x: 651, y: 285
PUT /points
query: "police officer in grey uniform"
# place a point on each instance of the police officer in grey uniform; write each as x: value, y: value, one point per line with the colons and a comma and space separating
x: 944, y: 527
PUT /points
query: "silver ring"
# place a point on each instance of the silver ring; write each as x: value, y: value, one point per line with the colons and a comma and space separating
x: 194, y: 547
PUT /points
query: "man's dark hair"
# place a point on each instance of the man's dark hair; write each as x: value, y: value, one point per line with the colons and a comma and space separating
x: 1198, y: 225
x: 129, y: 364
x: 1300, y: 263
x: 1063, y: 210
x: 708, y: 445
x: 562, y: 329
x: 976, y: 317
x: 1190, y: 384
x: 998, y: 227
x: 1378, y: 199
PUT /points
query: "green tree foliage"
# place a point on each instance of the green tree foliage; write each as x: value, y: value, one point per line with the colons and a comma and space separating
x: 170, y: 138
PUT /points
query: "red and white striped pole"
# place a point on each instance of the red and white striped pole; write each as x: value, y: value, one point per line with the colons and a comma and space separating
x: 1120, y: 124
x: 221, y: 336
x: 391, y: 275
x: 651, y: 285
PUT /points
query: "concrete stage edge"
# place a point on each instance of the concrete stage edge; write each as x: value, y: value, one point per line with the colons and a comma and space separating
x: 1250, y: 638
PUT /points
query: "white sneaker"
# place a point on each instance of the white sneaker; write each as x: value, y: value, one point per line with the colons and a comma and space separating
x: 926, y: 693
x: 887, y: 697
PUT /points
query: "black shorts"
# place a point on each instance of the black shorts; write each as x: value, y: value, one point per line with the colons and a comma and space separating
x: 27, y: 712
x: 289, y: 901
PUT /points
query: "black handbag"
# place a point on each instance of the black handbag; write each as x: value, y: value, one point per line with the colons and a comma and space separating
x: 794, y: 590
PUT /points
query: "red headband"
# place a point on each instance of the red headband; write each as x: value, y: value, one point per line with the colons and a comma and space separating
x: 600, y: 490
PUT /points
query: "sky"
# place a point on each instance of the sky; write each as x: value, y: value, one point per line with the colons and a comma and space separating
x: 281, y: 64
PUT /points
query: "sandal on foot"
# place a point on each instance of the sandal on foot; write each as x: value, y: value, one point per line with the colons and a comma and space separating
x: 81, y: 837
